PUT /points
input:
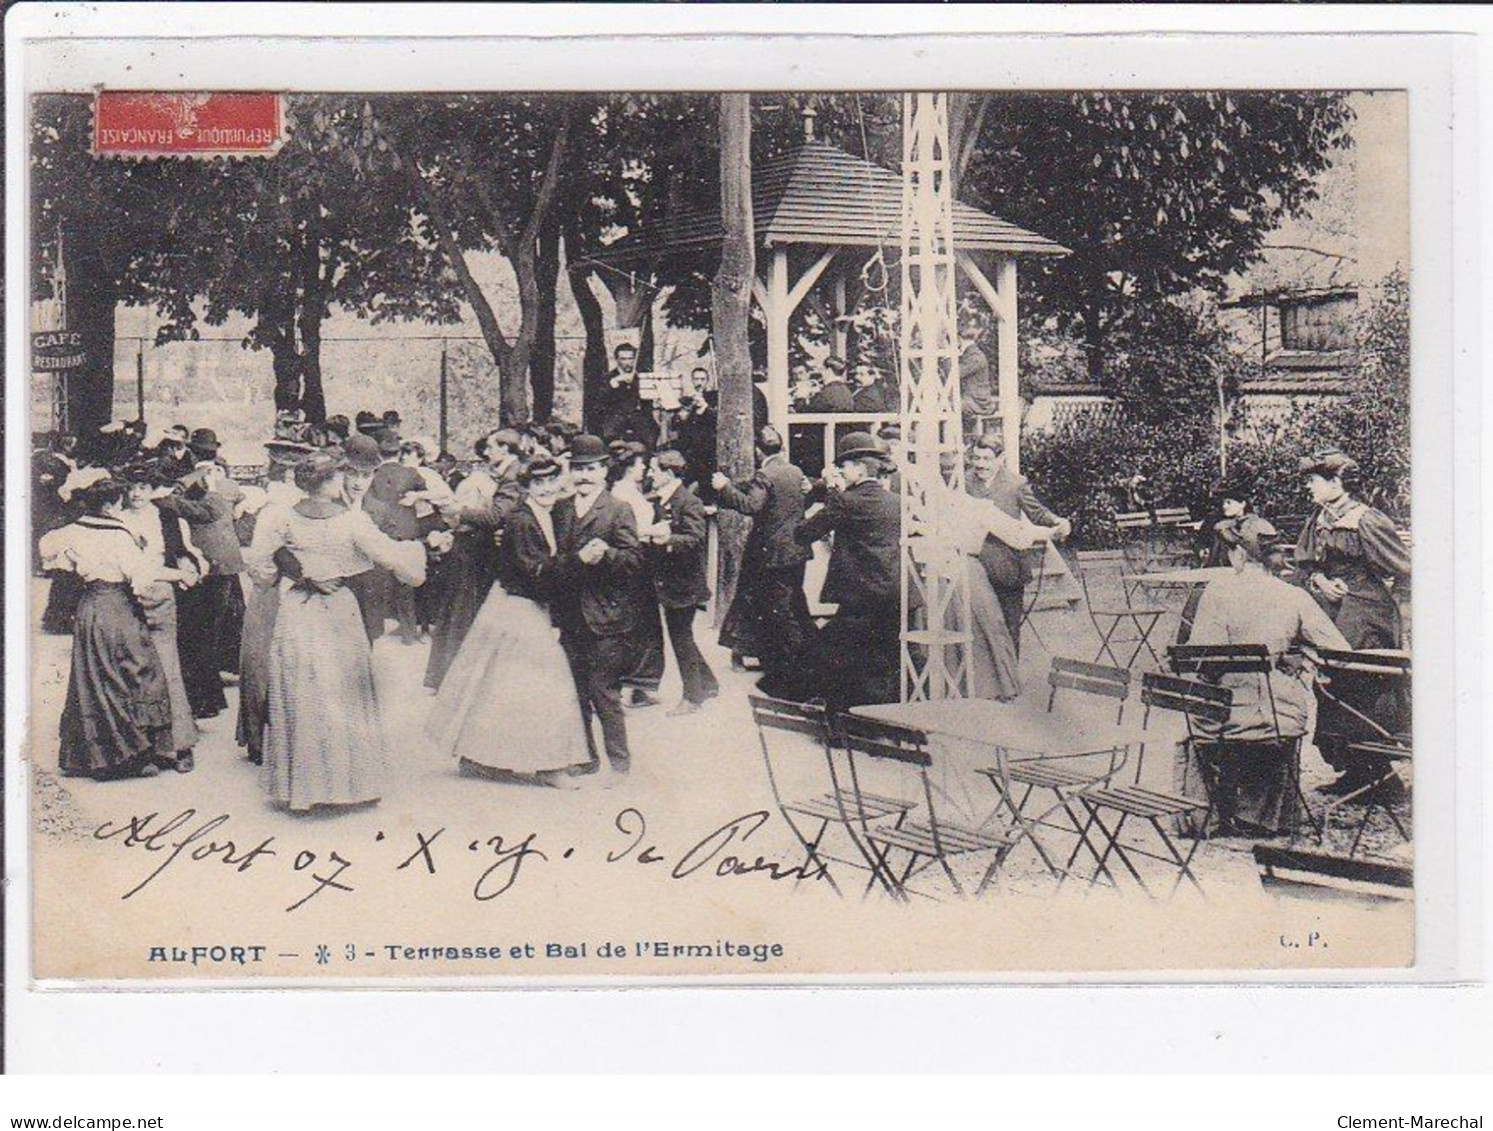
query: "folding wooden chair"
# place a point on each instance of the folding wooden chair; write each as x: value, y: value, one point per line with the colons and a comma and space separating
x: 1386, y: 750
x: 1396, y: 756
x: 1197, y: 702
x: 1211, y: 662
x: 1088, y: 679
x: 844, y: 806
x: 1069, y: 775
x: 926, y: 839
x: 1109, y: 612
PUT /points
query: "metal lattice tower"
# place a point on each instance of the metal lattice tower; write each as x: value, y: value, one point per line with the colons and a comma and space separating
x: 936, y: 638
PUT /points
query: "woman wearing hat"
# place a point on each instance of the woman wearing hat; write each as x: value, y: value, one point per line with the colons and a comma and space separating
x: 324, y: 742
x: 167, y: 542
x: 508, y: 704
x: 1252, y: 793
x: 1351, y: 555
x: 625, y: 478
x: 479, y: 505
x: 262, y: 605
x: 117, y: 720
x: 1355, y: 564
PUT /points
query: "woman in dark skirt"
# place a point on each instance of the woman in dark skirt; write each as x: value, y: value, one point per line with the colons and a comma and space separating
x: 628, y: 468
x: 117, y: 719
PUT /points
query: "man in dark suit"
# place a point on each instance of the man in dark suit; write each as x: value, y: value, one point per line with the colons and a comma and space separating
x: 597, y: 552
x: 676, y: 548
x: 855, y: 659
x: 872, y: 394
x: 834, y: 394
x: 1009, y: 570
x: 383, y: 501
x: 621, y: 413
x: 210, y: 615
x: 769, y: 616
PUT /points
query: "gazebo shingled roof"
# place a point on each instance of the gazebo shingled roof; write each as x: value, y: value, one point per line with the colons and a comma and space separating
x: 817, y: 193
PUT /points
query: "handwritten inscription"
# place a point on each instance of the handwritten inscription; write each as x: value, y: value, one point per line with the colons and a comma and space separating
x: 170, y: 843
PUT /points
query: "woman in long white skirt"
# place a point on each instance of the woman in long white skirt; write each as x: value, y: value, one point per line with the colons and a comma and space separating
x: 324, y: 741
x: 508, y: 704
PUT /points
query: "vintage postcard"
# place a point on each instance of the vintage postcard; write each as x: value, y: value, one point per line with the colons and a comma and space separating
x: 865, y: 533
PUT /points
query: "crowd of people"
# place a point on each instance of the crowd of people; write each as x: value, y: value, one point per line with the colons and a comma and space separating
x: 551, y: 569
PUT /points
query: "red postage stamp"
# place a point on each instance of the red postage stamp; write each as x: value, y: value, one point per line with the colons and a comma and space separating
x: 187, y: 124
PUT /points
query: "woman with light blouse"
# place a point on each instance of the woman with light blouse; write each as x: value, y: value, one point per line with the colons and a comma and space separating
x: 117, y: 720
x: 324, y: 740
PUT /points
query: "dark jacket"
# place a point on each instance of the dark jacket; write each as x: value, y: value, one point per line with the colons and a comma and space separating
x: 391, y: 482
x: 526, y: 565
x: 1008, y: 568
x: 210, y: 516
x: 833, y: 397
x: 875, y: 398
x: 775, y: 499
x: 601, y: 598
x: 866, y: 521
x: 679, y: 564
x: 622, y: 415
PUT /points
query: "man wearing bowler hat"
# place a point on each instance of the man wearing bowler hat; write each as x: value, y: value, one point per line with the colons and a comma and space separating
x: 597, y: 555
x: 210, y: 615
x: 855, y: 658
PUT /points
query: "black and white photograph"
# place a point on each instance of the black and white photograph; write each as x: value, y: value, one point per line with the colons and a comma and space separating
x: 505, y: 535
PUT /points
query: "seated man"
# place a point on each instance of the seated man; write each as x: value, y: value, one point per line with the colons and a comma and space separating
x: 1251, y: 785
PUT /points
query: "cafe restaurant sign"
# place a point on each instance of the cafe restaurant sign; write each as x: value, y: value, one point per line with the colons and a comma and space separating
x: 54, y: 351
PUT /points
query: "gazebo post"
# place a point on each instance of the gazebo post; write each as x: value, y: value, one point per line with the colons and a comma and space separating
x: 777, y: 313
x: 1002, y: 303
x: 1007, y: 360
x: 778, y: 302
x: 841, y: 331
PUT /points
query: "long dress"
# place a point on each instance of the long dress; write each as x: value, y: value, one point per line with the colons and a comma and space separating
x: 260, y: 610
x: 118, y: 710
x: 158, y: 604
x: 1352, y: 542
x: 324, y: 741
x: 647, y: 669
x: 1254, y: 607
x: 479, y: 504
x: 994, y: 670
x: 508, y: 701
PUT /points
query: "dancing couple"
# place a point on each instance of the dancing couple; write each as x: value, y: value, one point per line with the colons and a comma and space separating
x: 550, y: 646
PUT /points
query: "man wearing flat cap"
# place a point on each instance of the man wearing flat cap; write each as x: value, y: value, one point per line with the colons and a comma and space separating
x: 855, y: 658
x: 596, y: 559
x: 1355, y: 565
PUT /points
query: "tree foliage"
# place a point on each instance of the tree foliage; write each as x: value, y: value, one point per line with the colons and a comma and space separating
x: 326, y: 222
x: 1154, y: 194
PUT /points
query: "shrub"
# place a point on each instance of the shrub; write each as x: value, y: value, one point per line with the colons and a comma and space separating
x: 1162, y: 424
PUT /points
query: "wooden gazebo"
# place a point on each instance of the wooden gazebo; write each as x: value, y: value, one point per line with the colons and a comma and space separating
x: 821, y: 215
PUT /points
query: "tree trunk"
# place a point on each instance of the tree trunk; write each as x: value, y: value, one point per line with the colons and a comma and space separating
x: 730, y: 314
x: 594, y: 364
x: 92, y: 294
x: 313, y: 399
x: 314, y: 283
x: 542, y: 359
x: 646, y: 340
